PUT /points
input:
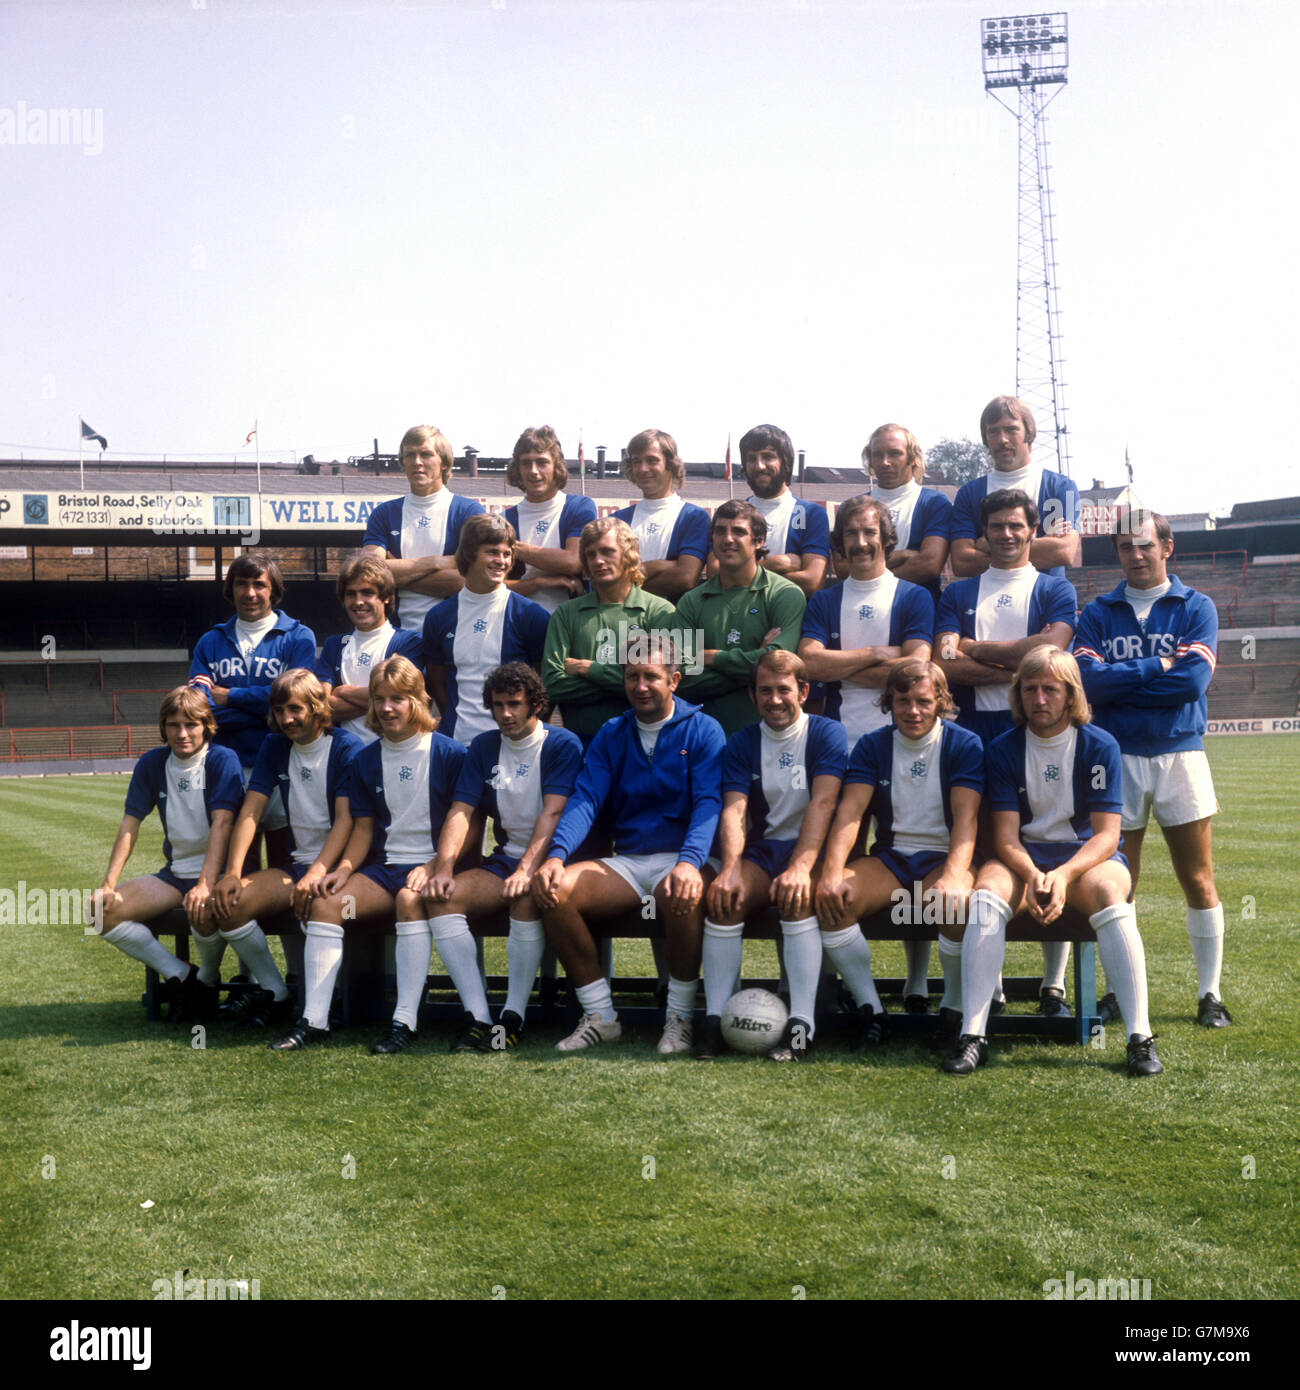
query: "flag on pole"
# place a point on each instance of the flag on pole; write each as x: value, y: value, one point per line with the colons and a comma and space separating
x: 1128, y: 465
x: 582, y: 466
x: 88, y: 433
x: 250, y: 436
x: 730, y: 489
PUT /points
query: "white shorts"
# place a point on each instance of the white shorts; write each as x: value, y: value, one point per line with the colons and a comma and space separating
x: 1176, y: 787
x: 645, y: 872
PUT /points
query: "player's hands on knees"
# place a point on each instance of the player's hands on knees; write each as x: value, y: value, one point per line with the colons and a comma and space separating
x: 101, y: 901
x: 684, y: 888
x: 725, y: 892
x: 331, y: 885
x: 834, y: 897
x: 198, y: 904
x: 441, y: 885
x: 951, y: 893
x: 517, y: 885
x: 305, y: 890
x: 792, y: 892
x: 546, y: 883
x: 417, y: 881
x: 226, y: 895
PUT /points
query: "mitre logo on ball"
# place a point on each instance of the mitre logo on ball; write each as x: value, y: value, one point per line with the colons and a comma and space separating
x: 752, y: 1021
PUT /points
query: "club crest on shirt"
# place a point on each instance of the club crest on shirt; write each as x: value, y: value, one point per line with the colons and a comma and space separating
x: 653, y: 528
x: 786, y: 760
x: 423, y: 523
x: 1004, y: 601
x: 865, y: 611
x: 918, y: 768
x: 733, y: 637
x: 405, y: 774
x: 605, y: 652
x: 521, y: 769
x: 480, y: 624
x: 363, y: 658
x: 542, y: 527
x: 1051, y: 773
x: 183, y: 785
x: 305, y: 773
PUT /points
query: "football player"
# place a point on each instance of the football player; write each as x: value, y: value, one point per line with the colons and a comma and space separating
x: 521, y: 774
x: 307, y: 761
x: 921, y: 777
x: 1055, y: 790
x: 196, y: 787
x: 673, y: 535
x: 780, y: 782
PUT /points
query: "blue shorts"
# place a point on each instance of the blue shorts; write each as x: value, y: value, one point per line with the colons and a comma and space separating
x: 296, y: 870
x: 390, y: 877
x: 500, y: 864
x: 1049, y: 855
x: 909, y: 868
x: 181, y: 885
x: 772, y: 856
x: 987, y: 723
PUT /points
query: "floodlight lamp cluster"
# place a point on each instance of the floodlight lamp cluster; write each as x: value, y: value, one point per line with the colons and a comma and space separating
x: 1025, y: 49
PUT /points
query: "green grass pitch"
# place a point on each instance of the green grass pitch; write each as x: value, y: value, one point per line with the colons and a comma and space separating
x: 618, y: 1175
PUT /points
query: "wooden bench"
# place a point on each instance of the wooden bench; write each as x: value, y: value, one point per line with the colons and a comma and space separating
x: 366, y: 981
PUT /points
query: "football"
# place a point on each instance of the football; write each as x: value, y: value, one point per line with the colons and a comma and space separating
x: 752, y: 1021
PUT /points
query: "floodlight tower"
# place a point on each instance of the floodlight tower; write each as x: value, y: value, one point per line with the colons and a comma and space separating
x: 1031, y: 54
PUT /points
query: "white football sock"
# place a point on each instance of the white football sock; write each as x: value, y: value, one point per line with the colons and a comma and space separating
x: 720, y: 963
x: 322, y: 956
x: 950, y: 964
x: 918, y: 968
x: 1124, y: 960
x: 1056, y: 956
x: 597, y: 1000
x: 414, y: 949
x: 1205, y: 931
x: 982, y: 950
x: 210, y: 949
x: 803, y: 963
x: 681, y: 996
x: 134, y: 939
x: 459, y: 953
x: 524, y: 948
x: 849, y: 953
x: 255, y: 956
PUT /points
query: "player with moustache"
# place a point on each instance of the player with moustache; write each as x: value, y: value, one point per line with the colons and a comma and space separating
x: 307, y: 762
x: 1147, y: 652
x: 780, y: 782
x: 654, y: 775
x: 588, y: 637
x: 921, y: 777
x: 367, y: 591
x: 399, y: 793
x: 672, y: 534
x: 1055, y: 788
x: 417, y: 535
x: 521, y: 776
x: 734, y: 617
x: 196, y: 787
x: 548, y: 522
x: 478, y: 629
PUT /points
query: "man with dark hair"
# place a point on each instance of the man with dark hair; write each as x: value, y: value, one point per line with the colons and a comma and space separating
x: 1146, y: 652
x: 367, y: 591
x: 521, y: 774
x: 1054, y: 788
x: 418, y: 534
x: 780, y: 781
x: 654, y: 776
x: 798, y: 547
x: 673, y: 535
x: 1008, y: 431
x: 547, y: 522
x: 588, y: 637
x: 736, y: 616
x: 483, y: 626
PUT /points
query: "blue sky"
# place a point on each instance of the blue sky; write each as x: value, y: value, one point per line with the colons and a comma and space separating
x: 343, y: 219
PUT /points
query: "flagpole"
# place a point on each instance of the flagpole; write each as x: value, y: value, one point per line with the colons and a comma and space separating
x: 731, y: 491
x: 258, y: 437
x: 582, y: 463
x: 81, y: 453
